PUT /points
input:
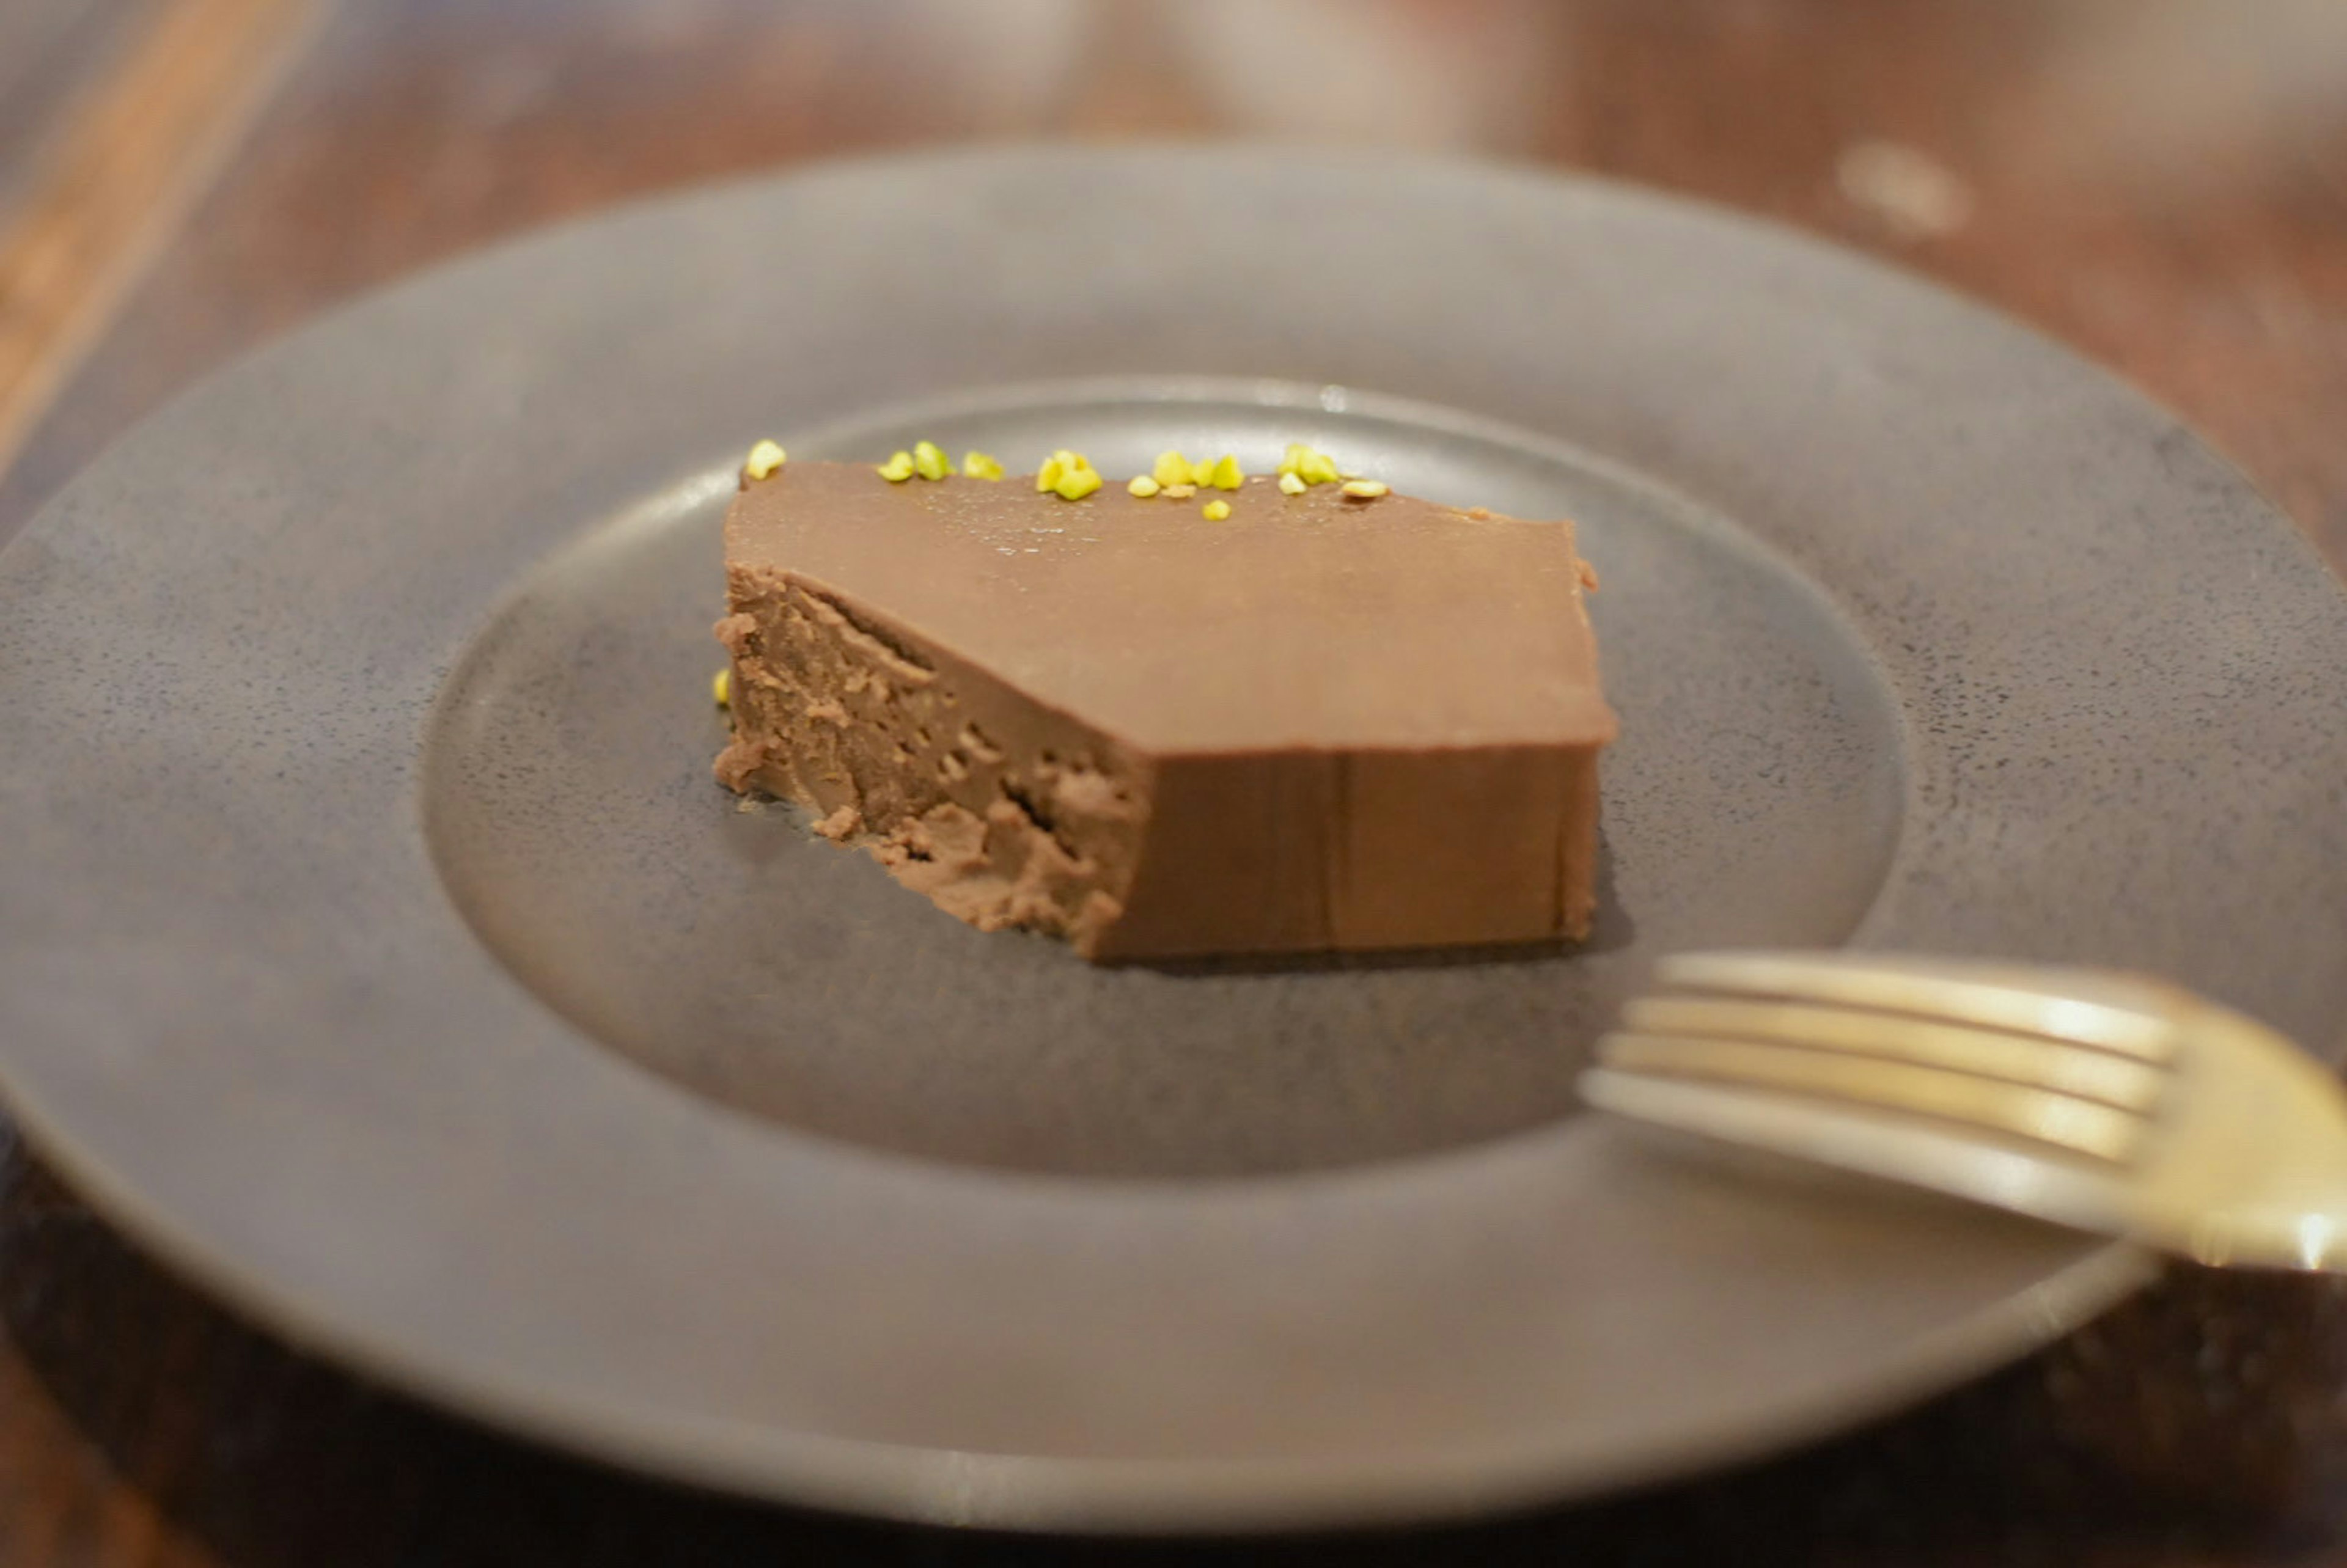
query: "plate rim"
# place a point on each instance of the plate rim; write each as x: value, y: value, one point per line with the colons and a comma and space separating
x: 1007, y: 1490
x: 1106, y: 1498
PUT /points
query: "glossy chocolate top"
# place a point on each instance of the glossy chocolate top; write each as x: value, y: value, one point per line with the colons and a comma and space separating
x: 1299, y: 622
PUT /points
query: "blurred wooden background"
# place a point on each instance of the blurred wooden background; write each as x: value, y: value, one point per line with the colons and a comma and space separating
x: 2162, y: 183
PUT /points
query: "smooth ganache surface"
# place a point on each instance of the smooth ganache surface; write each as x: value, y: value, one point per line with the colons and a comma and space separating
x: 1318, y: 724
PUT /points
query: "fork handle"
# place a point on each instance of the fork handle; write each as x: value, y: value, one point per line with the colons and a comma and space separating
x: 1905, y: 1153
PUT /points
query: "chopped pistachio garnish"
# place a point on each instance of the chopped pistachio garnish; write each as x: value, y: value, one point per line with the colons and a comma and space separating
x: 1202, y: 472
x: 976, y: 465
x: 1075, y: 484
x: 1064, y: 464
x: 1314, y: 467
x: 1172, y: 469
x: 1292, y: 484
x: 763, y: 459
x: 929, y: 460
x: 1365, y: 489
x: 897, y: 469
x: 1228, y: 474
x: 1144, y: 486
x: 1181, y: 491
x: 721, y: 687
x: 1215, y: 512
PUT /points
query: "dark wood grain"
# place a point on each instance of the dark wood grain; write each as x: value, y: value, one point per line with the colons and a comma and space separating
x: 2161, y: 182
x: 102, y: 189
x: 49, y: 51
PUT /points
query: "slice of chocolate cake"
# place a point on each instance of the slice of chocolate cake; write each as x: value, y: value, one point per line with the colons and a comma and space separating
x: 1322, y: 721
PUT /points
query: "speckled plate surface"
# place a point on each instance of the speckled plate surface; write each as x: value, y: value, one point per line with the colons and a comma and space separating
x: 374, y: 943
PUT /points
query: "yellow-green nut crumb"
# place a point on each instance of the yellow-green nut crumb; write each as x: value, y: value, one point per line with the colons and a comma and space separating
x: 897, y: 469
x: 1312, y: 467
x: 1215, y: 512
x: 763, y: 459
x: 1292, y: 484
x: 1228, y: 474
x: 1144, y: 486
x: 929, y: 461
x: 1182, y: 491
x: 1075, y: 484
x: 976, y: 465
x: 1365, y: 489
x: 1202, y: 472
x: 1172, y: 469
x: 721, y: 687
x: 1062, y: 465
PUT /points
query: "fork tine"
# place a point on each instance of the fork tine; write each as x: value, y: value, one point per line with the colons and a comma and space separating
x: 2040, y: 1063
x: 1973, y: 994
x: 2060, y: 1122
x: 2011, y: 1178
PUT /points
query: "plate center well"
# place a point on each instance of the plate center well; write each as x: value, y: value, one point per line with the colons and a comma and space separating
x: 1755, y: 798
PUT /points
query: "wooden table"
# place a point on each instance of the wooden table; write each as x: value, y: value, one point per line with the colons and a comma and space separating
x: 2161, y: 182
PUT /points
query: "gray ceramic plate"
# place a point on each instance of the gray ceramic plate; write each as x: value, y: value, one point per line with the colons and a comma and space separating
x: 374, y: 943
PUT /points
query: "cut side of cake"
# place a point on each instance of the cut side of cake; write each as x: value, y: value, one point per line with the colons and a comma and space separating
x: 1319, y: 723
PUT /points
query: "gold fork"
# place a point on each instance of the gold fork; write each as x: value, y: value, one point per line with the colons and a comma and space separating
x: 2103, y: 1101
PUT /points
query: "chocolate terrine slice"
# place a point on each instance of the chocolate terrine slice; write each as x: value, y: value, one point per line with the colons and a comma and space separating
x: 1318, y: 723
